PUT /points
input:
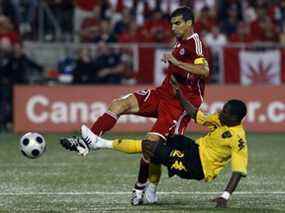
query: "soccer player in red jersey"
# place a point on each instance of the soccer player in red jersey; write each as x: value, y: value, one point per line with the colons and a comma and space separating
x: 189, y: 66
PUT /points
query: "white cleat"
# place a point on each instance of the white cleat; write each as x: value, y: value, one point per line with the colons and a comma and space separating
x: 90, y: 138
x: 151, y: 193
x: 137, y: 197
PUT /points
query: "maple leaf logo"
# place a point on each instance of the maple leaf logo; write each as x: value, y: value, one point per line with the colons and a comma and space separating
x: 262, y: 74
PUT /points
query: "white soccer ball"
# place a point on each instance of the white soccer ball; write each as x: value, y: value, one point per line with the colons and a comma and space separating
x: 32, y: 145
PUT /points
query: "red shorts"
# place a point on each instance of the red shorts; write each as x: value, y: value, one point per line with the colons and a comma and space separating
x: 171, y: 117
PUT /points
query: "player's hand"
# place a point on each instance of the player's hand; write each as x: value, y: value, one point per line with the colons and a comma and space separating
x: 104, y: 72
x: 172, y: 59
x: 220, y: 202
x: 168, y: 57
x: 164, y: 57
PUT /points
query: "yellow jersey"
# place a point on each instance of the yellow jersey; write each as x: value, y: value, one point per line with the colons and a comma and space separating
x: 221, y: 145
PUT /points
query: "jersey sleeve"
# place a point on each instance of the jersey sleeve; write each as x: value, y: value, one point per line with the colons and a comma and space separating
x: 195, y: 49
x: 211, y: 121
x: 239, y: 155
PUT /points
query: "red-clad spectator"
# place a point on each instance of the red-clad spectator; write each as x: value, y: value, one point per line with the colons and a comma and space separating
x: 90, y: 28
x: 7, y: 32
x: 243, y: 34
x: 270, y: 32
x: 120, y: 6
x: 262, y: 28
x: 157, y: 28
x: 132, y: 34
x: 95, y: 31
x: 87, y: 5
x: 205, y: 22
x: 274, y: 12
x: 90, y: 22
x: 83, y: 9
x: 255, y: 26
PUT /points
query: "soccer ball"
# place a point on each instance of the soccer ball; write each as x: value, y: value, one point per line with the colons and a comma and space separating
x: 32, y: 145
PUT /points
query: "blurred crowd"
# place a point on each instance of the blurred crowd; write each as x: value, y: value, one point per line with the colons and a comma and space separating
x: 135, y: 21
x: 139, y: 20
x: 102, y: 65
x: 132, y: 21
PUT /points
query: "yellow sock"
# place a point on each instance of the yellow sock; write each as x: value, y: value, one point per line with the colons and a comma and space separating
x: 128, y: 146
x: 154, y: 173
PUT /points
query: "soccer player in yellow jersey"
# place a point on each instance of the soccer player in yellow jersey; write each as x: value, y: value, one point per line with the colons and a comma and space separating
x: 202, y: 159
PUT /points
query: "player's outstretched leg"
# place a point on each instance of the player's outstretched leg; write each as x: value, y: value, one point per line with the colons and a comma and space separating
x: 94, y: 141
x: 87, y: 142
x: 75, y: 144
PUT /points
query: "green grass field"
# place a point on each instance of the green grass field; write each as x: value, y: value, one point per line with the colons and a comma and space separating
x: 61, y: 181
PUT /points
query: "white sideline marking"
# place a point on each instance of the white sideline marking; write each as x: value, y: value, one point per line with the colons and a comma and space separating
x: 123, y: 193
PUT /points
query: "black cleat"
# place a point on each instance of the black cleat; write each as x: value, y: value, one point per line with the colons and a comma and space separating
x: 75, y: 144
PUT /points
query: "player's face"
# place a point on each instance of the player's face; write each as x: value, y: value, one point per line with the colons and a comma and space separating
x: 180, y: 27
x: 225, y: 115
x: 226, y: 118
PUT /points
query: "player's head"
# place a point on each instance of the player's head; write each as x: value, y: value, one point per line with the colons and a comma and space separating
x: 233, y: 112
x: 182, y: 20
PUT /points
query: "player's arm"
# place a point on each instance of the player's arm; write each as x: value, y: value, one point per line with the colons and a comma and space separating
x: 210, y: 121
x: 189, y: 108
x: 221, y: 201
x: 239, y: 169
x: 200, y: 66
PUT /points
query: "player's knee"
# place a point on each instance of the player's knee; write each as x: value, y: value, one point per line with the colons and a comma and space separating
x: 148, y: 149
x: 119, y: 106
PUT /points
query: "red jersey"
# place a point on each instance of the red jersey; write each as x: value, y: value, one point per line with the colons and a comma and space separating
x: 12, y: 37
x: 192, y: 85
x: 87, y: 5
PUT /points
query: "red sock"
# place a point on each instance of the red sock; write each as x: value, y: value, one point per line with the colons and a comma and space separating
x: 143, y: 174
x: 104, y: 123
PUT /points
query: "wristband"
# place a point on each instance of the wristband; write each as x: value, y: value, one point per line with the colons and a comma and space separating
x: 226, y: 195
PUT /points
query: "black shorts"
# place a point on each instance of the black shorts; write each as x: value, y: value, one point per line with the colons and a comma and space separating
x: 180, y: 155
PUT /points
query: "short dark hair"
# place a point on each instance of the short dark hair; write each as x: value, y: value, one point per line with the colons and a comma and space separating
x: 185, y: 12
x: 237, y: 109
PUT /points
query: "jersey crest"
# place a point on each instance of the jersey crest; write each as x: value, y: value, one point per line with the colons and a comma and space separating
x: 182, y: 51
x: 227, y: 134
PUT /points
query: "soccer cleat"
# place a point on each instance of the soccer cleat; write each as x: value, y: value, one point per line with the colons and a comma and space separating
x: 92, y: 140
x: 75, y: 144
x: 137, y: 197
x: 150, y: 193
